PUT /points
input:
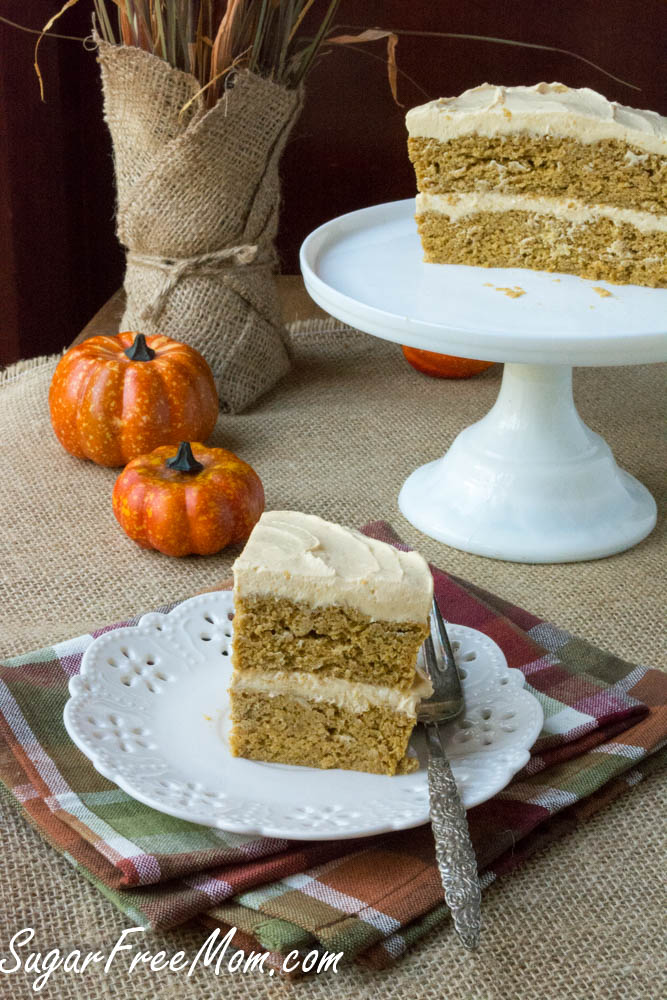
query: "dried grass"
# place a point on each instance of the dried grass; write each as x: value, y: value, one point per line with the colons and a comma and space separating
x: 278, y: 39
x: 211, y: 38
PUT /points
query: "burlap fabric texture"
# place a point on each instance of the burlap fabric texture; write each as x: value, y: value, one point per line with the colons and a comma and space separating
x: 197, y: 212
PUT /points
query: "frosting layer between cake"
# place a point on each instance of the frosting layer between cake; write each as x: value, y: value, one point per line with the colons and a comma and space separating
x: 306, y: 559
x: 352, y: 696
x: 546, y: 108
x: 457, y: 206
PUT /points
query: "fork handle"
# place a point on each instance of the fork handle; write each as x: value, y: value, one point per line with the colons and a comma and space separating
x: 453, y: 849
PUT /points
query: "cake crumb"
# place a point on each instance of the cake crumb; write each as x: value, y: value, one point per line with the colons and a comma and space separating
x: 208, y: 718
x: 556, y: 280
x: 512, y: 293
x: 604, y: 293
x: 487, y: 284
x: 507, y: 112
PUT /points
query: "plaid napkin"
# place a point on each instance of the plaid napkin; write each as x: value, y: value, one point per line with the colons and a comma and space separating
x: 370, y: 898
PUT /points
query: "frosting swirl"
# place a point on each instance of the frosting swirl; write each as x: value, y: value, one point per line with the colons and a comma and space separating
x: 305, y: 558
x: 546, y: 108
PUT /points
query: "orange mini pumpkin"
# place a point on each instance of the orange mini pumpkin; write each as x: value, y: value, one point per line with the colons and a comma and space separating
x: 443, y: 365
x: 194, y: 501
x: 113, y: 398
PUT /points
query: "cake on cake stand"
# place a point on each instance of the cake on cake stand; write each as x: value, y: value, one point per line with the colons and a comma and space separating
x: 530, y: 482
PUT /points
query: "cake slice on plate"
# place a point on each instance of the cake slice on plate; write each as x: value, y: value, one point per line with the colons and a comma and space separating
x: 327, y: 627
x: 545, y: 177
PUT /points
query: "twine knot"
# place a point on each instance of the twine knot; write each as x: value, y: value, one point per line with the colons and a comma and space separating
x: 173, y: 269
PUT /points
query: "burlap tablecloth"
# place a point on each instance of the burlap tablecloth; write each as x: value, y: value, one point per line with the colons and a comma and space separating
x: 337, y: 437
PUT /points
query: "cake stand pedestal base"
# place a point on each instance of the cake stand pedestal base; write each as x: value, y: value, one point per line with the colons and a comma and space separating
x: 530, y: 482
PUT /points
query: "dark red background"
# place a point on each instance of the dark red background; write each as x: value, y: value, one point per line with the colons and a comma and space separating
x: 59, y: 258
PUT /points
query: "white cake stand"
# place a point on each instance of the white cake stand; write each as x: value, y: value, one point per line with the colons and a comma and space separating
x: 530, y: 482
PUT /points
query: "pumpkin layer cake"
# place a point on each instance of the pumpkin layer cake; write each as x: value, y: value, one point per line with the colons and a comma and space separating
x: 327, y: 627
x: 544, y: 177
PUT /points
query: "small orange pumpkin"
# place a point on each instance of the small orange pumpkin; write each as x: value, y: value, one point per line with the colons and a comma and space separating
x: 443, y: 365
x: 113, y: 398
x: 194, y: 501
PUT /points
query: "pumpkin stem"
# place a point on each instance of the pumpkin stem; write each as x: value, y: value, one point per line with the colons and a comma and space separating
x: 140, y: 351
x: 184, y: 460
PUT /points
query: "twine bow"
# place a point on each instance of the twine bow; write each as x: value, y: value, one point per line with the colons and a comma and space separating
x: 175, y: 269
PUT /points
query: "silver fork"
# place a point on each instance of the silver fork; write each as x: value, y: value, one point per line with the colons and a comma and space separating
x: 453, y: 850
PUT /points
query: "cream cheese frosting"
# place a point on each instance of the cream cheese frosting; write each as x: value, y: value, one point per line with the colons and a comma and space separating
x: 307, y: 559
x: 546, y: 108
x: 458, y: 206
x: 348, y: 695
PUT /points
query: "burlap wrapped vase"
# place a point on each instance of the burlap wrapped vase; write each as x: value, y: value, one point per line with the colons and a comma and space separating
x: 197, y: 211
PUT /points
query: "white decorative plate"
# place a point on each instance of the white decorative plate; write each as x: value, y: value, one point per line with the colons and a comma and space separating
x: 150, y: 710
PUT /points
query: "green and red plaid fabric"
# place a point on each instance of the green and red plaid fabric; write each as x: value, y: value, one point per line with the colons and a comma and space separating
x: 605, y: 720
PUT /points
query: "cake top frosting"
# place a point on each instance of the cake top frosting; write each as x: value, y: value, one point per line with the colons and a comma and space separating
x: 546, y: 108
x: 304, y: 558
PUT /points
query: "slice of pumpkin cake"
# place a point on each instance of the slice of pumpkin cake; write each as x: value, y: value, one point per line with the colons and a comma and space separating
x: 327, y: 627
x: 546, y: 177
